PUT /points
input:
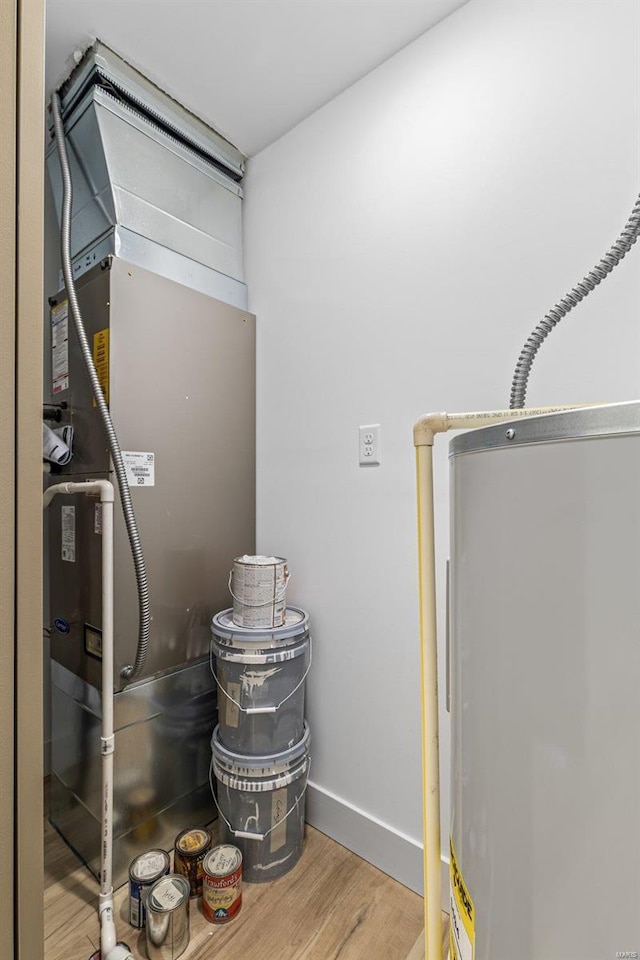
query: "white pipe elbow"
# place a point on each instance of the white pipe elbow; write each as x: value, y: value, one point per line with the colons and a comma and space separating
x: 103, y: 487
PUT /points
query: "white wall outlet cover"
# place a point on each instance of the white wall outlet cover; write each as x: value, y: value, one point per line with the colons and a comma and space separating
x: 369, y: 445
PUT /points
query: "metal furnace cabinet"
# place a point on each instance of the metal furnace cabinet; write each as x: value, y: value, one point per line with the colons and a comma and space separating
x: 179, y: 369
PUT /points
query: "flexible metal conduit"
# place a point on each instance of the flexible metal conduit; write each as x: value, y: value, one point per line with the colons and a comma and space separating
x: 144, y: 612
x: 601, y: 270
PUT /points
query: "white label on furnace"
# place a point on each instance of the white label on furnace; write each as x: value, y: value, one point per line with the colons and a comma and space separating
x: 69, y: 534
x: 97, y: 519
x: 140, y: 468
x: 60, y: 347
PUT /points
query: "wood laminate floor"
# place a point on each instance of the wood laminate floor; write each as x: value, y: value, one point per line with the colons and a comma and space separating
x: 331, y: 906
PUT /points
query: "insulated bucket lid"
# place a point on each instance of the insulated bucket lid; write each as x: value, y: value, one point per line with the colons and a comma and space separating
x: 264, y: 764
x: 228, y: 633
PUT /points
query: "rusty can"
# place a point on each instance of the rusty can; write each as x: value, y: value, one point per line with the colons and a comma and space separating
x: 144, y: 870
x: 191, y: 847
x: 222, y: 884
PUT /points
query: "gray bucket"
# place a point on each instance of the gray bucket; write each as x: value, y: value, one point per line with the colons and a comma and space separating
x: 261, y: 676
x: 261, y: 804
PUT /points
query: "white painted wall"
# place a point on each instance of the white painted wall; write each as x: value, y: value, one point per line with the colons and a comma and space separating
x: 400, y: 244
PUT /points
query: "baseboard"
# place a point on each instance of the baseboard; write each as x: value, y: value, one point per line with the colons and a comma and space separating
x: 386, y: 848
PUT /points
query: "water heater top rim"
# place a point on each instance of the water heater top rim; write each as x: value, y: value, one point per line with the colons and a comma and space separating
x: 614, y: 419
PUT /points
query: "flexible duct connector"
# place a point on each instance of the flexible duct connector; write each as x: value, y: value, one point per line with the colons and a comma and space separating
x: 601, y: 270
x: 144, y: 611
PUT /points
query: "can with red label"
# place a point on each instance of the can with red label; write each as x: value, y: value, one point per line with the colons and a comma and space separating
x: 222, y: 884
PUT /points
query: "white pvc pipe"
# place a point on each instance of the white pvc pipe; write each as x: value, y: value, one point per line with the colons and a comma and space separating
x: 107, y: 922
x: 110, y: 949
x: 424, y: 433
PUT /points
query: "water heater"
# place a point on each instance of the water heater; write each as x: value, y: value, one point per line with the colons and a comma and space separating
x: 545, y: 686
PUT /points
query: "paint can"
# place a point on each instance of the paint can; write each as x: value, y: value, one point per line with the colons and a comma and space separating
x: 191, y: 847
x: 222, y: 884
x: 258, y: 586
x: 261, y: 676
x: 168, y: 918
x: 144, y: 870
x: 261, y: 804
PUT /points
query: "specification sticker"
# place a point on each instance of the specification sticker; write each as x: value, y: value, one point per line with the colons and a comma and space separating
x: 68, y: 527
x: 140, y: 468
x: 60, y: 347
x: 463, y: 914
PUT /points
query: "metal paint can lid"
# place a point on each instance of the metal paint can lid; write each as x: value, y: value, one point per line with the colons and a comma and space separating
x: 222, y: 860
x: 149, y: 866
x: 193, y: 842
x: 260, y: 560
x: 168, y: 893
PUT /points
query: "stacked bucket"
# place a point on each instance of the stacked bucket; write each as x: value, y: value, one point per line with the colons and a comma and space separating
x: 260, y: 748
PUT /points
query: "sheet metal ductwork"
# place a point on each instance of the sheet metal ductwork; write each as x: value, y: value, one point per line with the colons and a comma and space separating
x: 152, y: 183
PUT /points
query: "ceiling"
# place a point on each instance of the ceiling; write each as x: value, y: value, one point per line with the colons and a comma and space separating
x: 253, y: 69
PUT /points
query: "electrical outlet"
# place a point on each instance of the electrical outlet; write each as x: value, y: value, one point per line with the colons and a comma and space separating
x: 369, y: 445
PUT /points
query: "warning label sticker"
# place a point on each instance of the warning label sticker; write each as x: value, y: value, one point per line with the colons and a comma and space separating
x: 101, y: 360
x: 140, y: 468
x: 60, y: 347
x: 463, y: 931
x: 68, y: 528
